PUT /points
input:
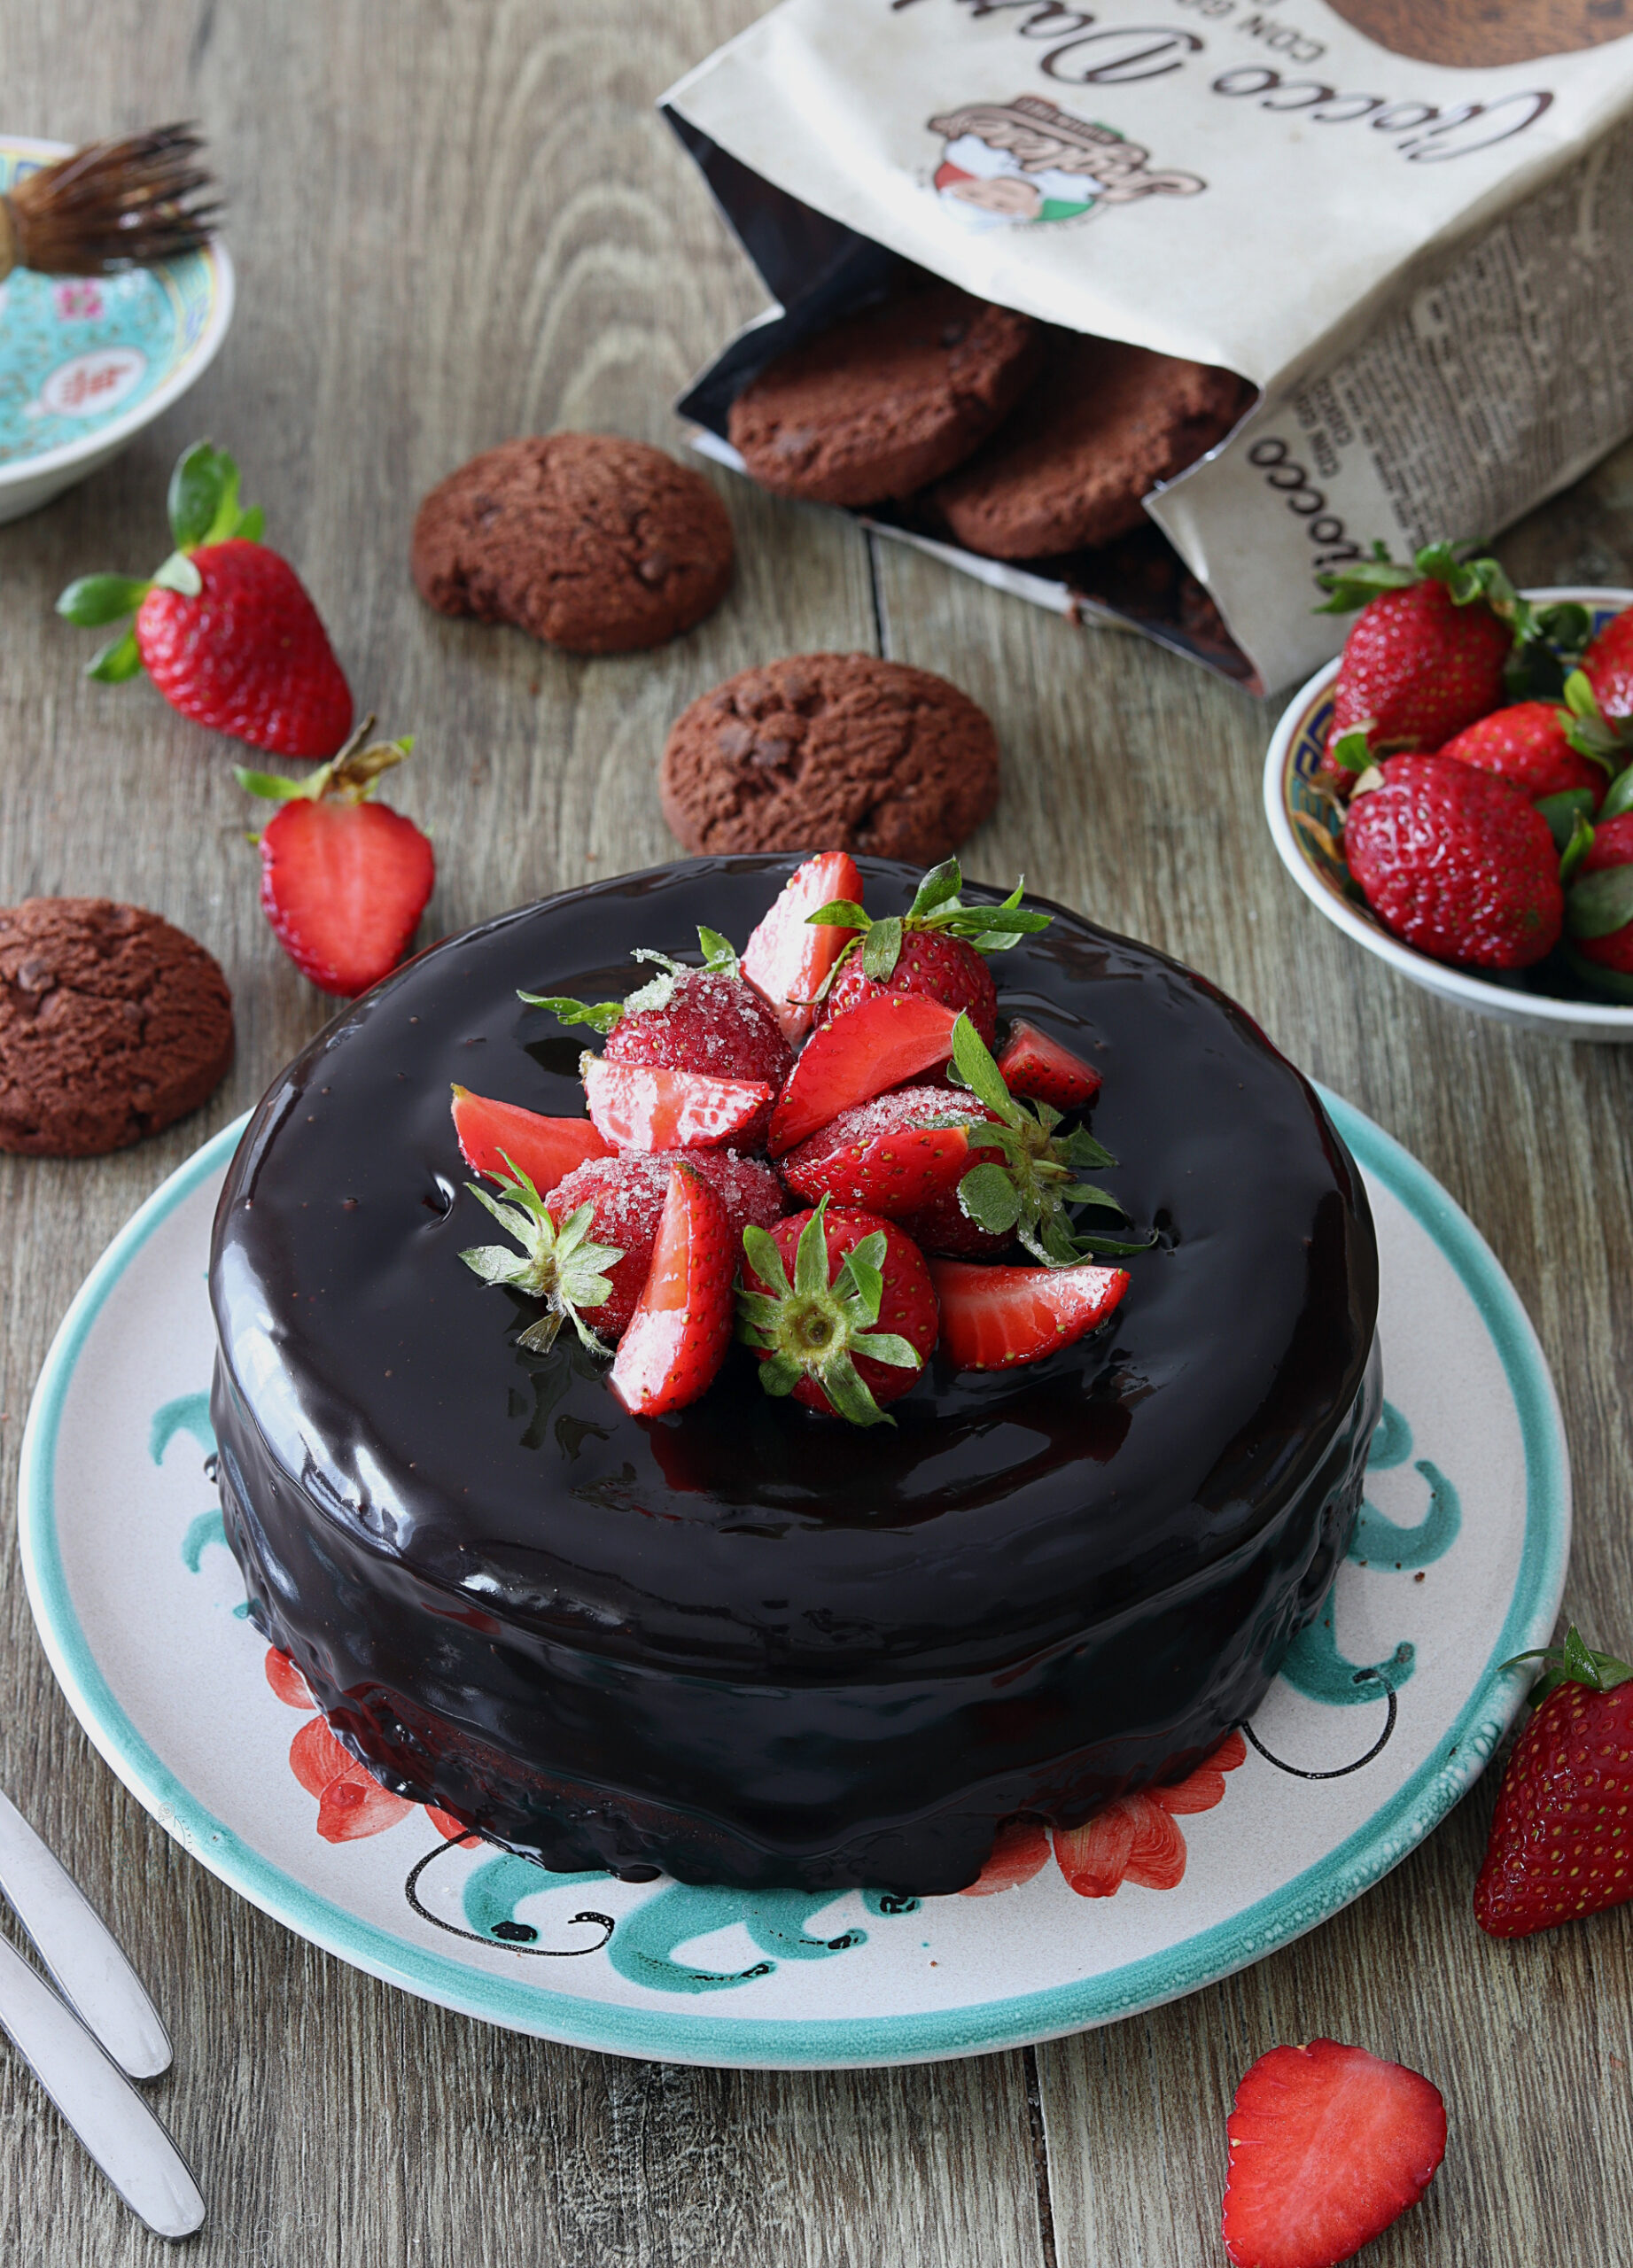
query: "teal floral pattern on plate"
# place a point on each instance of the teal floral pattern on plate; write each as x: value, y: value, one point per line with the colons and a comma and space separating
x: 1387, y: 1710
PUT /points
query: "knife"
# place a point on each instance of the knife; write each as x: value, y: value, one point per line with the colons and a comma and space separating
x: 99, y: 2103
x: 84, y: 1960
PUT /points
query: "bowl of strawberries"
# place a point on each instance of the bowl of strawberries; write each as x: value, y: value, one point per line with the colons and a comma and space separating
x: 1455, y: 792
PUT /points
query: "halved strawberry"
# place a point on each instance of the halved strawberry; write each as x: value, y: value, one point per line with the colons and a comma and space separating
x: 1033, y: 1064
x: 877, y: 1045
x: 787, y: 959
x: 1328, y: 2146
x: 996, y: 1318
x: 343, y: 880
x: 892, y: 1155
x: 682, y: 1324
x: 639, y: 1108
x: 496, y: 1136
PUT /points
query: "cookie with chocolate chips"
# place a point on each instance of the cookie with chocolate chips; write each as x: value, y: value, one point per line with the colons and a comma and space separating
x: 830, y: 751
x: 595, y: 544
x: 112, y: 1023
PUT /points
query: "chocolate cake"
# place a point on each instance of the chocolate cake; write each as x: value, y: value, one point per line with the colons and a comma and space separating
x: 746, y: 1643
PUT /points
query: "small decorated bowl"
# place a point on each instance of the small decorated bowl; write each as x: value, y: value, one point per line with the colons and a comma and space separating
x: 1547, y: 999
x: 87, y: 361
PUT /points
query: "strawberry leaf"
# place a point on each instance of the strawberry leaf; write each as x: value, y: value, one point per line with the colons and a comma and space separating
x: 780, y: 1374
x: 862, y: 1275
x: 115, y: 662
x: 886, y: 1347
x: 719, y: 954
x: 274, y: 787
x: 1352, y: 586
x: 840, y: 913
x: 204, y: 496
x: 1084, y: 1153
x: 96, y: 600
x: 980, y: 1073
x: 179, y: 574
x: 940, y: 888
x: 599, y: 1016
x: 1600, y: 903
x: 1619, y: 797
x: 1564, y: 812
x: 1113, y: 1247
x: 810, y: 1255
x: 1577, y: 845
x: 766, y: 1261
x: 1351, y: 751
x: 882, y: 949
x: 1571, y: 1663
x: 842, y: 1382
x: 988, y: 1197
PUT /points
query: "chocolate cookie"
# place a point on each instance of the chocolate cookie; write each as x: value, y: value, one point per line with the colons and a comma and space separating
x: 112, y: 1024
x: 1461, y: 33
x: 886, y: 400
x: 592, y: 543
x: 831, y: 752
x: 1104, y: 423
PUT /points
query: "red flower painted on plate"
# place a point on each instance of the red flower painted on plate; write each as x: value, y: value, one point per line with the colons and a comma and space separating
x: 1134, y: 1840
x: 351, y: 1802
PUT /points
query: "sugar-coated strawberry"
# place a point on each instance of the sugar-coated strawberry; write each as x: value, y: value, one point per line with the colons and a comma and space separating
x: 225, y: 629
x: 1608, y: 663
x: 1024, y: 1179
x: 709, y: 1020
x: 1328, y: 2146
x: 625, y: 1192
x: 942, y: 968
x: 682, y: 1327
x: 935, y: 949
x: 495, y: 1137
x: 997, y: 1318
x: 1599, y: 906
x: 1561, y: 1842
x: 892, y: 1155
x: 853, y: 1327
x: 1425, y: 658
x: 789, y: 959
x: 342, y: 880
x: 1033, y: 1064
x: 635, y: 1108
x: 559, y: 1263
x: 1527, y: 745
x: 886, y: 1039
x: 1457, y: 862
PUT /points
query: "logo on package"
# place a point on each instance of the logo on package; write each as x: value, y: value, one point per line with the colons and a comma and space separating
x: 1026, y: 162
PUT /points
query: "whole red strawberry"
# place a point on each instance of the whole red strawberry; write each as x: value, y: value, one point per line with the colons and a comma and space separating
x: 1329, y: 2147
x: 1528, y: 745
x: 892, y: 1155
x: 342, y: 880
x: 1561, y: 1842
x: 1599, y: 906
x: 934, y: 950
x: 1456, y: 862
x: 1426, y: 655
x: 225, y: 628
x: 853, y: 1327
x: 1608, y: 663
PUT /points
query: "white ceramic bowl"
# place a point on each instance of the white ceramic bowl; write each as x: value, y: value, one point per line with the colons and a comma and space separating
x: 1298, y: 820
x: 85, y: 364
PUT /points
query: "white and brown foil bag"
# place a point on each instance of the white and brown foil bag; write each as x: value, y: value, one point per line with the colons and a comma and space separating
x: 1408, y: 222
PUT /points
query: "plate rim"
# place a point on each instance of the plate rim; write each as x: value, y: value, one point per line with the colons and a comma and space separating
x: 1605, y: 1019
x: 841, y: 2042
x: 188, y: 371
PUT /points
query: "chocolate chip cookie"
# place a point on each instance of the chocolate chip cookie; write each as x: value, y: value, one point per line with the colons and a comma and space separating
x: 595, y: 544
x: 1104, y: 423
x: 831, y: 752
x: 112, y: 1023
x: 886, y: 400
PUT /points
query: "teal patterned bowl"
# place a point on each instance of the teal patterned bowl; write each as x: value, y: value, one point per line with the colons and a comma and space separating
x: 1300, y: 820
x: 86, y: 362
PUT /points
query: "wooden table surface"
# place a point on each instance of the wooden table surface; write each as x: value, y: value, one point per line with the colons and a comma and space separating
x: 460, y: 219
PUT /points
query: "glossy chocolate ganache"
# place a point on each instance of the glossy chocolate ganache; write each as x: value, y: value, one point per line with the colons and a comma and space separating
x: 746, y: 1643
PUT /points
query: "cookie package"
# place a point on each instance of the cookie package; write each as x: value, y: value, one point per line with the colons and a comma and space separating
x: 1409, y: 233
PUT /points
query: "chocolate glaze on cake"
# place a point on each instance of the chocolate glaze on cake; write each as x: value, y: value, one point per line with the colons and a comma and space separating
x: 747, y: 1643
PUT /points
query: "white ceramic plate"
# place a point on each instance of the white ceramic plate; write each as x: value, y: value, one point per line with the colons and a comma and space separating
x: 86, y: 362
x: 1385, y: 1712
x: 1298, y: 820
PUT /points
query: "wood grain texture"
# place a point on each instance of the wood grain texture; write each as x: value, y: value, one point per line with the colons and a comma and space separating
x: 457, y: 220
